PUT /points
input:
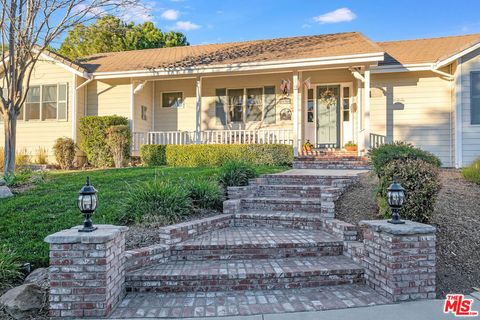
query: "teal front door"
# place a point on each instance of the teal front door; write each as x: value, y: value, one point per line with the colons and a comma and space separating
x: 328, y: 116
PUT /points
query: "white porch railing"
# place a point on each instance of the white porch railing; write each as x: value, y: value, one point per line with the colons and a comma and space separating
x: 262, y: 136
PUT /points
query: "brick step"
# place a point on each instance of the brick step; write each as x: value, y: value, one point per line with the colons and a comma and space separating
x: 331, y: 158
x: 325, y: 193
x: 360, y: 165
x: 278, y: 219
x: 314, y: 206
x: 241, y: 274
x: 297, y: 179
x: 257, y: 243
x: 245, y: 303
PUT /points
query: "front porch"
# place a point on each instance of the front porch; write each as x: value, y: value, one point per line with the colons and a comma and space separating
x: 326, y: 106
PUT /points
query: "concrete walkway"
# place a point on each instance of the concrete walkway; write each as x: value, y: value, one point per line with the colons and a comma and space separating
x: 416, y: 310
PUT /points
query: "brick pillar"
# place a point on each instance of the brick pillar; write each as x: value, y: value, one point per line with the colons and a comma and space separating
x: 87, y: 271
x: 399, y: 259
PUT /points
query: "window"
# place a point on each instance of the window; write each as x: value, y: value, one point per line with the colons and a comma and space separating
x: 254, y: 104
x: 172, y: 99
x: 235, y: 105
x: 46, y: 102
x: 220, y: 102
x: 475, y: 97
x: 270, y: 110
x: 310, y: 106
x: 346, y: 103
x: 49, y: 102
x: 144, y: 112
x: 33, y: 103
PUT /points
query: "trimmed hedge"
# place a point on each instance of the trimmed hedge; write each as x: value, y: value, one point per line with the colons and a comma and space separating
x: 198, y: 155
x: 93, y: 138
x: 382, y: 155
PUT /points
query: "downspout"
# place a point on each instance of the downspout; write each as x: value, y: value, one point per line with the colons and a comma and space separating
x: 458, y: 118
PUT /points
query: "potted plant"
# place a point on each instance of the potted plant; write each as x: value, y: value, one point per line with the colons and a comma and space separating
x: 307, y: 146
x: 350, y: 146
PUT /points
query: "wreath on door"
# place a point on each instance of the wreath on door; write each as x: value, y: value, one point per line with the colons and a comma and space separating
x: 328, y: 98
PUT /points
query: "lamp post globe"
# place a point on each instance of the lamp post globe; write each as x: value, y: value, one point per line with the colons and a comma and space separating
x: 396, y: 199
x: 87, y: 203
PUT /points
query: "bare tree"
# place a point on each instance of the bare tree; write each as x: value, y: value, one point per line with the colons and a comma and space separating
x: 27, y: 29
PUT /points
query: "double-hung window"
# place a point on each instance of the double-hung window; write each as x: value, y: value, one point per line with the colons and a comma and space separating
x: 46, y: 102
x: 475, y: 97
x: 247, y: 105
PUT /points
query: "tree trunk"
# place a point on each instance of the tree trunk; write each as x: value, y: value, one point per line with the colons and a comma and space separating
x: 10, y: 126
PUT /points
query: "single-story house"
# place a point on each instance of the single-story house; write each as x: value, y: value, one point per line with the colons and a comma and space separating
x: 329, y: 89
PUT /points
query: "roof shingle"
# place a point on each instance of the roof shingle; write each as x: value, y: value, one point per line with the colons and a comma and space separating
x: 425, y: 50
x: 328, y: 45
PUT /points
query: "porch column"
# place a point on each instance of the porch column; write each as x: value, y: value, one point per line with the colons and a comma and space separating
x: 198, y: 109
x: 295, y: 112
x: 366, y: 109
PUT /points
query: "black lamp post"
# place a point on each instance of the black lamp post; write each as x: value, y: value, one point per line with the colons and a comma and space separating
x: 87, y: 203
x: 396, y: 198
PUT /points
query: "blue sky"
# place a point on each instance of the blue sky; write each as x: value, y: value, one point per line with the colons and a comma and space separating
x: 212, y: 21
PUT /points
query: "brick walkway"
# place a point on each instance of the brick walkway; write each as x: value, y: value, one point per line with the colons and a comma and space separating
x: 236, y: 303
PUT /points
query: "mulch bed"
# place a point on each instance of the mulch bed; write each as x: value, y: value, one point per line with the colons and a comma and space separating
x: 456, y: 216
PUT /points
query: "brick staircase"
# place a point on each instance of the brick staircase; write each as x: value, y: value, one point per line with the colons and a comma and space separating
x: 322, y: 159
x: 278, y: 238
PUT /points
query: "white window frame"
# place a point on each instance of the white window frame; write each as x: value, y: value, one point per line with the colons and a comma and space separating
x: 41, y: 103
x: 244, y: 104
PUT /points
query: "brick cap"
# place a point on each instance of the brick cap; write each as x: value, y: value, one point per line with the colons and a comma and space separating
x: 408, y: 228
x: 104, y: 233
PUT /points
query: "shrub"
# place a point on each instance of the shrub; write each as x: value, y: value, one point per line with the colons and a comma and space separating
x: 235, y: 174
x: 93, y: 137
x: 472, y: 172
x: 153, y: 154
x: 157, y: 202
x: 216, y: 154
x: 24, y: 176
x: 22, y: 157
x: 9, y: 268
x: 382, y: 155
x: 421, y: 182
x: 118, y: 139
x: 205, y: 194
x: 41, y: 155
x: 64, y: 150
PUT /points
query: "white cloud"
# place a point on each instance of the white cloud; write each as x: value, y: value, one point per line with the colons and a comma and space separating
x: 185, y: 26
x: 339, y: 15
x: 170, y: 14
x: 138, y: 14
x: 306, y: 26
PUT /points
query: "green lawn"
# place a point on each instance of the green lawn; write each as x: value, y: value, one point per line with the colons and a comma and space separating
x: 29, y: 217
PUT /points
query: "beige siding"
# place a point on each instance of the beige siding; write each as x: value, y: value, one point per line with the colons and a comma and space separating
x: 172, y: 119
x: 470, y: 133
x: 414, y: 107
x: 143, y: 98
x: 35, y: 134
x: 109, y: 97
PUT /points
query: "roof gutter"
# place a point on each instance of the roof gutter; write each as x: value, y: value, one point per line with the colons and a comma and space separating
x: 249, y: 66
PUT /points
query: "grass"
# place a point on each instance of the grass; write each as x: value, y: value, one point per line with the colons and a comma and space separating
x: 472, y: 172
x: 49, y: 207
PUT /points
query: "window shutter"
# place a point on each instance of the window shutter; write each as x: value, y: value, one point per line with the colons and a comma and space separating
x: 62, y: 102
x: 220, y: 101
x: 475, y: 97
x: 270, y: 112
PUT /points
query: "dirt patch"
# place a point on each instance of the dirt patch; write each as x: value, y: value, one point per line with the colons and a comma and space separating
x: 144, y: 235
x: 358, y: 201
x: 456, y: 216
